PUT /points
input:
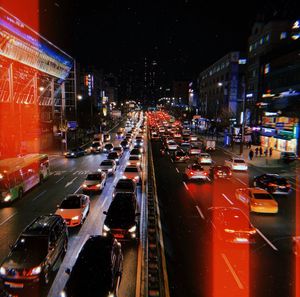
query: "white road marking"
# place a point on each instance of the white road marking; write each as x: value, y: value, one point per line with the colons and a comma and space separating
x: 177, y: 169
x: 227, y: 199
x: 185, y: 185
x: 39, y: 195
x: 77, y: 190
x: 59, y: 180
x: 236, y: 278
x: 267, y: 240
x: 200, y: 212
x: 238, y: 179
x: 71, y: 182
x: 7, y: 219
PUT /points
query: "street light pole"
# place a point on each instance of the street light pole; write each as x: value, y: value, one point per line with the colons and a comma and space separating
x: 243, y: 117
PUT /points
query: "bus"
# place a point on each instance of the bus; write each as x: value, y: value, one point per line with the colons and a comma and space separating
x: 19, y: 175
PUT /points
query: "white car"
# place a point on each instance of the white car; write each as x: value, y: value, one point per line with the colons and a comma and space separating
x: 134, y: 160
x: 236, y: 164
x: 108, y: 166
x: 133, y: 172
x: 94, y: 182
x: 205, y: 158
x: 74, y: 209
x: 172, y: 145
x: 195, y: 171
x: 195, y: 150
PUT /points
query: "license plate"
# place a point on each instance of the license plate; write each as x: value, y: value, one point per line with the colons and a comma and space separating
x: 119, y: 236
x: 15, y: 285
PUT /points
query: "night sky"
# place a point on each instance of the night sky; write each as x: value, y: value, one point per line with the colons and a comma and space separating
x: 184, y: 36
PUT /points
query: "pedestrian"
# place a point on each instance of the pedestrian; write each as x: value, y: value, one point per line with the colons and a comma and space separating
x: 270, y: 151
x: 260, y: 151
x: 256, y: 152
x: 266, y: 152
x: 251, y: 153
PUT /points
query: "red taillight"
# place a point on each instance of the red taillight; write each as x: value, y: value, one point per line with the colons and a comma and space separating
x: 191, y: 173
x: 272, y: 185
x: 205, y: 173
x: 288, y: 185
x: 177, y: 157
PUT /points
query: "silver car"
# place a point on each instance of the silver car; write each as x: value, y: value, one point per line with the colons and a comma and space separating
x: 108, y: 166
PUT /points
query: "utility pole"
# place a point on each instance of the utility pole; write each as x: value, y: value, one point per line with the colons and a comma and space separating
x: 243, y: 116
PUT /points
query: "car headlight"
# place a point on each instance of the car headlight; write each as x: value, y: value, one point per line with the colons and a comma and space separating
x: 84, y: 185
x: 229, y: 230
x: 62, y: 294
x: 109, y: 170
x: 75, y: 218
x: 99, y: 169
x: 117, y: 160
x: 124, y: 176
x: 98, y: 185
x: 7, y: 197
x: 128, y: 163
x: 72, y: 154
x: 138, y: 163
x: 2, y: 271
x: 105, y: 228
x: 36, y: 270
x: 136, y: 177
x: 132, y: 229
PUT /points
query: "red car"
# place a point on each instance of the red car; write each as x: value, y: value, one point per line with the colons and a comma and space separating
x: 220, y: 171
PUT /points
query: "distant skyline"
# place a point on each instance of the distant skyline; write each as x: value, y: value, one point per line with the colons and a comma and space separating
x: 184, y: 36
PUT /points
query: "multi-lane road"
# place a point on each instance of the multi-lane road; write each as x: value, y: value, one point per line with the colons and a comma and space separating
x: 67, y: 176
x: 198, y: 267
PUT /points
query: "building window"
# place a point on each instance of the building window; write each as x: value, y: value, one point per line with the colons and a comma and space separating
x: 283, y: 35
x: 268, y: 37
x: 261, y: 41
x: 267, y: 68
x: 250, y: 48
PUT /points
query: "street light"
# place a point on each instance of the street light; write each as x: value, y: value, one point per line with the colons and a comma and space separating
x: 79, y: 97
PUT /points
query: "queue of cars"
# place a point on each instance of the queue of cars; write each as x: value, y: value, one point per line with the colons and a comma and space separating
x: 99, y: 265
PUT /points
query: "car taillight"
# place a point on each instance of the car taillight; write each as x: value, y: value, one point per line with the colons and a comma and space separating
x: 205, y: 173
x: 191, y: 173
x: 177, y: 157
x: 272, y: 185
x: 288, y: 185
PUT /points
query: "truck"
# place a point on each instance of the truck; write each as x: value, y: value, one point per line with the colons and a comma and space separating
x: 209, y: 145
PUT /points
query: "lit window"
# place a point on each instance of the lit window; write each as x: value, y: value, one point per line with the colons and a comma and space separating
x: 296, y: 25
x: 267, y: 68
x: 283, y: 35
x: 242, y: 61
x: 250, y: 48
x: 268, y: 37
x: 261, y: 41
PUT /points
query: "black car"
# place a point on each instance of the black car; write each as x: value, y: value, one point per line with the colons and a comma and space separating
x: 96, y: 147
x: 139, y: 147
x: 34, y: 254
x: 108, y: 148
x: 113, y: 156
x: 288, y: 157
x: 121, y: 217
x: 74, y: 153
x: 125, y: 185
x: 273, y: 183
x: 135, y: 152
x: 124, y: 144
x: 97, y: 270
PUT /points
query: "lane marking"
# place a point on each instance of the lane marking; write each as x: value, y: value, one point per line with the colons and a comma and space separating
x: 267, y: 240
x: 71, y: 182
x: 227, y: 199
x: 39, y: 195
x: 238, y: 179
x: 236, y: 278
x: 200, y: 212
x: 177, y: 169
x: 77, y: 190
x: 185, y: 185
x: 59, y: 180
x: 7, y: 219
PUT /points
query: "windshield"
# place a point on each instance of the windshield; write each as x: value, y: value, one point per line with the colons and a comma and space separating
x: 125, y: 185
x: 106, y: 163
x: 262, y: 196
x: 197, y: 167
x: 31, y: 243
x: 70, y: 203
x: 134, y: 158
x: 93, y: 177
x: 131, y: 169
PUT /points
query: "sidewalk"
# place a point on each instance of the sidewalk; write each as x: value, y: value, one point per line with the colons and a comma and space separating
x: 263, y: 161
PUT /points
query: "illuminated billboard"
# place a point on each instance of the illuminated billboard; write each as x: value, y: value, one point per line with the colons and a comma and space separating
x: 20, y: 43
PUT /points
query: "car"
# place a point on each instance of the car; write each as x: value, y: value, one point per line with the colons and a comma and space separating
x: 133, y: 172
x: 195, y: 172
x: 185, y: 146
x: 96, y: 147
x: 236, y: 164
x: 273, y: 183
x: 119, y: 150
x: 108, y: 148
x: 195, y: 150
x: 172, y: 145
x: 94, y: 182
x: 74, y: 209
x: 257, y: 199
x: 75, y: 153
x: 125, y: 185
x: 154, y: 136
x: 288, y: 157
x: 113, y: 156
x: 136, y: 152
x: 122, y: 218
x: 97, y: 270
x: 180, y: 156
x: 139, y: 139
x: 119, y: 134
x: 231, y: 225
x: 134, y: 160
x: 193, y: 138
x: 139, y: 147
x: 205, y: 158
x: 124, y: 144
x: 108, y: 166
x: 220, y: 172
x: 34, y: 254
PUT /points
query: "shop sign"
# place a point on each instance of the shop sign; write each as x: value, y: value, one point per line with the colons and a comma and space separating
x: 279, y: 125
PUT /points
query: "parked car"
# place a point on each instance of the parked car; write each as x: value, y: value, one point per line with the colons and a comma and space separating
x: 34, y: 254
x: 75, y: 153
x: 195, y: 150
x: 94, y: 182
x: 108, y: 166
x: 236, y: 164
x: 74, y: 209
x: 273, y: 183
x: 257, y: 199
x: 231, y: 225
x: 122, y: 218
x: 97, y: 270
